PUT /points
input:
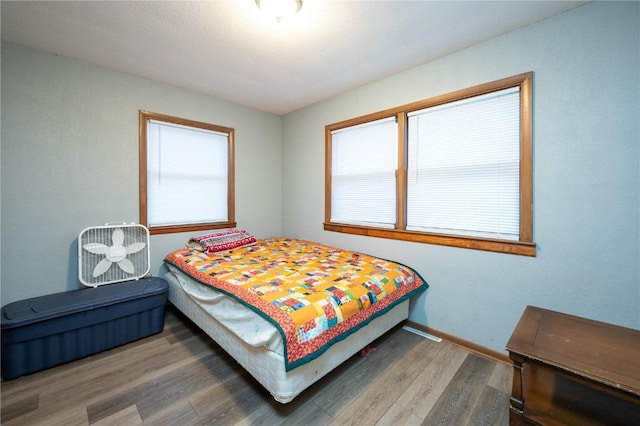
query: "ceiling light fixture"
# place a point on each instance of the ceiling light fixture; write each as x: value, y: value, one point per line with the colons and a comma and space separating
x: 279, y: 9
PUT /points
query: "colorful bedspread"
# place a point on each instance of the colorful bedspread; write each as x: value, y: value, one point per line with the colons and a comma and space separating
x: 315, y: 295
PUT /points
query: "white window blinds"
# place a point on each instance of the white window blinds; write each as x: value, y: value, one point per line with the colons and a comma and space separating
x: 463, y: 167
x: 363, y: 174
x: 187, y: 174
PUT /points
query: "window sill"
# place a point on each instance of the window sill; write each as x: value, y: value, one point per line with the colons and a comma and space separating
x: 498, y: 246
x: 190, y: 228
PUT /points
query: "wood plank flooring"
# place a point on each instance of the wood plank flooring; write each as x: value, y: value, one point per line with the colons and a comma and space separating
x: 181, y: 377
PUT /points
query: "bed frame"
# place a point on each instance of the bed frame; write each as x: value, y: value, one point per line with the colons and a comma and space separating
x: 268, y: 367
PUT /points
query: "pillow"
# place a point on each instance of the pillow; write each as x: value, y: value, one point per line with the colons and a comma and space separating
x: 221, y: 241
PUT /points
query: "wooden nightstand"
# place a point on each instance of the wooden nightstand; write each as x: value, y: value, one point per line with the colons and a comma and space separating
x: 572, y: 370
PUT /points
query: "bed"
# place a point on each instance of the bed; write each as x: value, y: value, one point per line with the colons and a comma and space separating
x: 289, y: 311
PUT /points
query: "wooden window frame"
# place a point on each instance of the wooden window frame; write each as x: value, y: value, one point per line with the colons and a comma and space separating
x: 144, y: 116
x: 524, y: 246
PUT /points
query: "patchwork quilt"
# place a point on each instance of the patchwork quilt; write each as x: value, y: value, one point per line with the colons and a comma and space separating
x: 315, y: 295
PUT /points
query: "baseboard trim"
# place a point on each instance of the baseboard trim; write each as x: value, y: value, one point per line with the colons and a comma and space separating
x: 473, y: 347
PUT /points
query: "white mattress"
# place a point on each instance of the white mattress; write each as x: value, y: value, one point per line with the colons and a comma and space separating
x: 257, y: 345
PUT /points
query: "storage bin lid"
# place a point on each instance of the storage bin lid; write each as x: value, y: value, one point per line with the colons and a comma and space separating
x: 42, y: 308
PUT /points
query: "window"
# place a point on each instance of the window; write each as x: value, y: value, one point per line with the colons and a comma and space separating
x: 364, y: 174
x: 454, y: 170
x: 186, y: 174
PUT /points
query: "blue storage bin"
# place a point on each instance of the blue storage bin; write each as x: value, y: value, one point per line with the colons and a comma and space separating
x: 46, y: 331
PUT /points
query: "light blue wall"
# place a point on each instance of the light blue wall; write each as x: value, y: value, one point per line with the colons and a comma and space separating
x: 70, y: 161
x: 586, y: 177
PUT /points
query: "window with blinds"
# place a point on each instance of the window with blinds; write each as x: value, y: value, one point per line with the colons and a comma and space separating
x: 463, y: 168
x: 363, y: 179
x: 186, y: 177
x: 453, y: 170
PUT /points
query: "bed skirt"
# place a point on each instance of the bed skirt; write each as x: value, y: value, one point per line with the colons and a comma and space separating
x: 268, y: 367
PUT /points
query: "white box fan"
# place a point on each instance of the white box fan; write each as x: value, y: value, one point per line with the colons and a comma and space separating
x: 113, y: 253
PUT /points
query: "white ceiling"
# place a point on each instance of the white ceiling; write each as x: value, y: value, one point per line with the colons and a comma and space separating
x: 228, y: 50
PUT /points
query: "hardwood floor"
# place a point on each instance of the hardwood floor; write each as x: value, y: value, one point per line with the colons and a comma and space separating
x: 181, y: 377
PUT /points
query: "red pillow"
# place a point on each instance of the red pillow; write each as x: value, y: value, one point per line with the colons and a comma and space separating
x: 221, y: 241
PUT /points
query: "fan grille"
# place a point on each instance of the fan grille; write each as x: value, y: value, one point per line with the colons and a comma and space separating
x: 122, y: 249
